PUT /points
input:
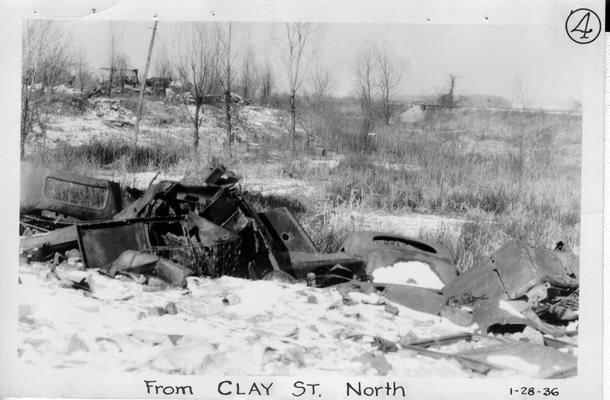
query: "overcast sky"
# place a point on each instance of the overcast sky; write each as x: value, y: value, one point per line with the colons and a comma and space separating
x: 486, y: 58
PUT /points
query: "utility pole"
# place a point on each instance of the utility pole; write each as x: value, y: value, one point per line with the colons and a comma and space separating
x: 143, y: 87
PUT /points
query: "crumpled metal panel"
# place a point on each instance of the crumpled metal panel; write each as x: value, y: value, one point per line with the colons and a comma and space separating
x: 515, y: 265
x: 488, y: 313
x: 329, y: 268
x: 382, y: 250
x: 514, y: 269
x: 221, y: 208
x: 101, y: 243
x: 535, y: 360
x: 172, y: 273
x: 497, y: 315
x: 142, y: 206
x: 559, y: 268
x: 481, y: 281
x: 296, y: 253
x: 217, y: 176
x: 209, y: 233
x: 132, y: 261
x: 58, y: 240
x: 414, y: 297
x: 286, y: 230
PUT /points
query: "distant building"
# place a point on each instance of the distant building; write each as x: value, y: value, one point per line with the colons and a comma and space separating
x: 483, y: 101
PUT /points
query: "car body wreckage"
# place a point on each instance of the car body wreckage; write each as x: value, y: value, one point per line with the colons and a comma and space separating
x: 207, y: 228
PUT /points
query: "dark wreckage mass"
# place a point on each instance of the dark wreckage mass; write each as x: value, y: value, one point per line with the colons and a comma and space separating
x: 189, y: 278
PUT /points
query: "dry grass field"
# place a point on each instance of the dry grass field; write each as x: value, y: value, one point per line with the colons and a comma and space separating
x: 468, y: 178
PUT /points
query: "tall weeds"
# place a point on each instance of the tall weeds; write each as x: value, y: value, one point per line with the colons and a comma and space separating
x: 512, y: 174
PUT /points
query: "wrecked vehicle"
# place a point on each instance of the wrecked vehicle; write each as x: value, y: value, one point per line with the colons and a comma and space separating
x: 380, y: 250
x: 204, y: 226
x: 54, y: 199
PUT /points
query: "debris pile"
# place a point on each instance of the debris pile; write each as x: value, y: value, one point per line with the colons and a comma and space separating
x: 207, y: 227
x: 184, y: 266
x: 113, y: 114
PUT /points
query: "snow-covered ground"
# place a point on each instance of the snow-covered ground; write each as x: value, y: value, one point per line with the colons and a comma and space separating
x: 228, y: 325
x: 222, y: 326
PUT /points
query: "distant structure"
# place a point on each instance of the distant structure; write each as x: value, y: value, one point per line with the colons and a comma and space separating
x: 465, y: 101
x: 158, y: 84
x: 130, y: 75
x: 483, y: 101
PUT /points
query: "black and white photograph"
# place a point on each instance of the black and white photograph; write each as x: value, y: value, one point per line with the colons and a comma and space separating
x: 290, y: 196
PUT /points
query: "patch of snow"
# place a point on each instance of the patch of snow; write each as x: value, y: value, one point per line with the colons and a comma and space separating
x: 396, y: 166
x: 415, y: 273
x: 65, y: 90
x: 278, y: 186
x: 411, y: 224
x: 330, y: 164
x: 506, y: 306
x: 278, y: 333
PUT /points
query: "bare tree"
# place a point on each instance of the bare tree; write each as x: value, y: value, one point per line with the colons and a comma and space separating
x: 389, y: 75
x: 266, y: 83
x: 248, y: 74
x: 365, y: 84
x: 120, y: 65
x: 198, y: 69
x: 520, y: 92
x: 321, y: 83
x: 83, y: 74
x: 163, y: 65
x: 226, y: 60
x: 449, y: 99
x: 295, y: 59
x: 113, y: 30
x: 316, y: 117
x: 45, y: 59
